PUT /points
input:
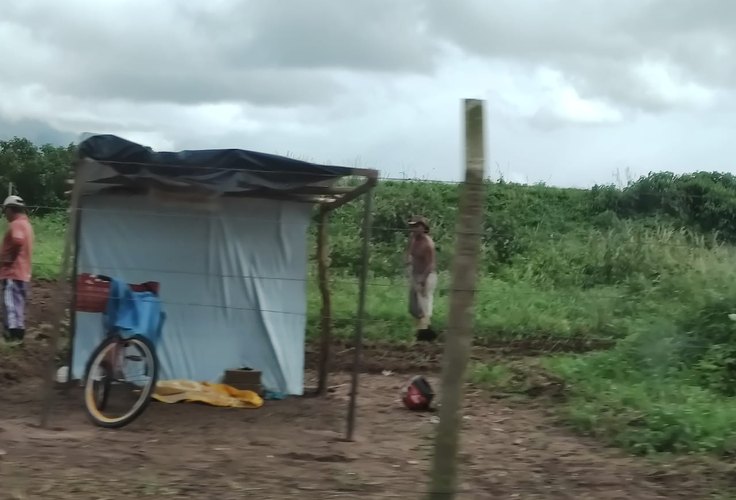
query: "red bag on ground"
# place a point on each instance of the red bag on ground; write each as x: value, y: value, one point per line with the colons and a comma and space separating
x: 418, y: 394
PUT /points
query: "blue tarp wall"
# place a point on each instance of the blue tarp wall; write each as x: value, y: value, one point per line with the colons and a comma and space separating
x: 232, y: 269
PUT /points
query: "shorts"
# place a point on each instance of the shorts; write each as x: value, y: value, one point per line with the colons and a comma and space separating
x: 15, y: 293
x: 421, y: 298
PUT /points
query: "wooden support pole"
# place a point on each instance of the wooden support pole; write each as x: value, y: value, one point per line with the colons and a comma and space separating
x: 443, y: 482
x: 353, y: 194
x: 77, y: 222
x: 323, y: 255
x: 358, y: 338
x: 49, y: 365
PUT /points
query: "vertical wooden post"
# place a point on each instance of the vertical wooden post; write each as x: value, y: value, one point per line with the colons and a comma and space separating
x: 443, y: 482
x: 77, y: 215
x: 323, y: 255
x: 49, y: 365
x: 358, y: 338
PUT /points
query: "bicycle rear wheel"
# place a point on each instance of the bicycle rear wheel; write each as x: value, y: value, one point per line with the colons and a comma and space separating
x: 120, y: 378
x: 102, y: 385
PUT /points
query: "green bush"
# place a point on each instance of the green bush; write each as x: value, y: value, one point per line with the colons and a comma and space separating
x: 645, y: 411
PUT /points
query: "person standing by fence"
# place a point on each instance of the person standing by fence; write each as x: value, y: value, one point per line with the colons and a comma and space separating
x: 421, y: 261
x: 15, y: 267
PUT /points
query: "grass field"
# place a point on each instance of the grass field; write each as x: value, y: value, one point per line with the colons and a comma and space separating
x: 649, y: 268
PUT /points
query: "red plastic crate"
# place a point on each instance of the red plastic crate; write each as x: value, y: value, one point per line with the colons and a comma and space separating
x: 93, y: 292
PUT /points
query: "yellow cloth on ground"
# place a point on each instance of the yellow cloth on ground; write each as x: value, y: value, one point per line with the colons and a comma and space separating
x: 177, y: 391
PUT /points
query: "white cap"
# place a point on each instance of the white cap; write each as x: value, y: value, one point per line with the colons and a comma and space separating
x: 13, y: 201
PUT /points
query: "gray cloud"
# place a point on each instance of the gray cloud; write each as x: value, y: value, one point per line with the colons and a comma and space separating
x: 287, y: 53
x: 600, y: 46
x: 269, y: 53
x: 569, y: 82
x: 381, y: 35
x: 36, y: 131
x: 267, y: 87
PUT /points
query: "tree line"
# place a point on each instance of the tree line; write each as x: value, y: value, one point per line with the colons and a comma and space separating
x: 38, y: 173
x: 703, y: 201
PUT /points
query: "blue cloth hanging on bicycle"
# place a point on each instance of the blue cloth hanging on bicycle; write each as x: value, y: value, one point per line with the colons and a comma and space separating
x: 133, y: 312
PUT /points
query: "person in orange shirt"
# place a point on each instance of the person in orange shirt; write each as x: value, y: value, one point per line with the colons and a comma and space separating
x: 15, y: 267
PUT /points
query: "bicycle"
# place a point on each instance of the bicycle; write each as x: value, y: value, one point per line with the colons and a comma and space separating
x: 107, y: 367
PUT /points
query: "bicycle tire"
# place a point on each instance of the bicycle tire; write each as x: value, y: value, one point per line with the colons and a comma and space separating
x: 144, y: 399
x: 101, y: 399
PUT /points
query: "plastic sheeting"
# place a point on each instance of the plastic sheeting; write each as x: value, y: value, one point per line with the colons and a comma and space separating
x: 223, y: 170
x: 233, y: 282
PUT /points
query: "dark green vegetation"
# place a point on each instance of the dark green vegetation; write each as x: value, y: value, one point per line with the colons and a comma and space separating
x: 648, y: 268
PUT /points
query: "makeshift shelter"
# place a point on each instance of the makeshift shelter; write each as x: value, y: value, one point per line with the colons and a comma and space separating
x: 225, y: 234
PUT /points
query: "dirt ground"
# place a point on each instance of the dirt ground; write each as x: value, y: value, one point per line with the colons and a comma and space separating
x: 294, y: 448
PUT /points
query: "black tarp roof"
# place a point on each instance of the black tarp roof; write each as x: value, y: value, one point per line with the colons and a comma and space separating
x: 222, y: 169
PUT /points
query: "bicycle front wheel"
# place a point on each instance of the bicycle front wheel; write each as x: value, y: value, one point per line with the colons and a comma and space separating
x: 120, y: 378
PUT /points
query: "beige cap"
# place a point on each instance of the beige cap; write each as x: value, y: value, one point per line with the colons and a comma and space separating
x: 418, y: 219
x: 13, y: 201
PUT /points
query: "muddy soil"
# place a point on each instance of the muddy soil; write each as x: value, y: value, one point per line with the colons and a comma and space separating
x: 295, y: 448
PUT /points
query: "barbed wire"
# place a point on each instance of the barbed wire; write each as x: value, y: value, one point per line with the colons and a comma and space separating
x: 402, y: 282
x: 491, y: 194
x: 496, y: 201
x: 505, y: 288
x: 619, y: 295
x: 499, y: 339
x: 555, y: 236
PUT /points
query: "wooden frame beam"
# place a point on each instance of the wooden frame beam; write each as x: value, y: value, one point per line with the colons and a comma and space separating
x: 358, y: 336
x: 53, y: 347
x: 367, y: 186
x: 323, y: 256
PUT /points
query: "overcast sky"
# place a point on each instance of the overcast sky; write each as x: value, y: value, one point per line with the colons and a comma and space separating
x: 578, y: 91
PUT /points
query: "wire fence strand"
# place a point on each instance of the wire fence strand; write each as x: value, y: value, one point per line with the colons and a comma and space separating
x: 710, y: 241
x: 493, y: 285
x: 487, y: 334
